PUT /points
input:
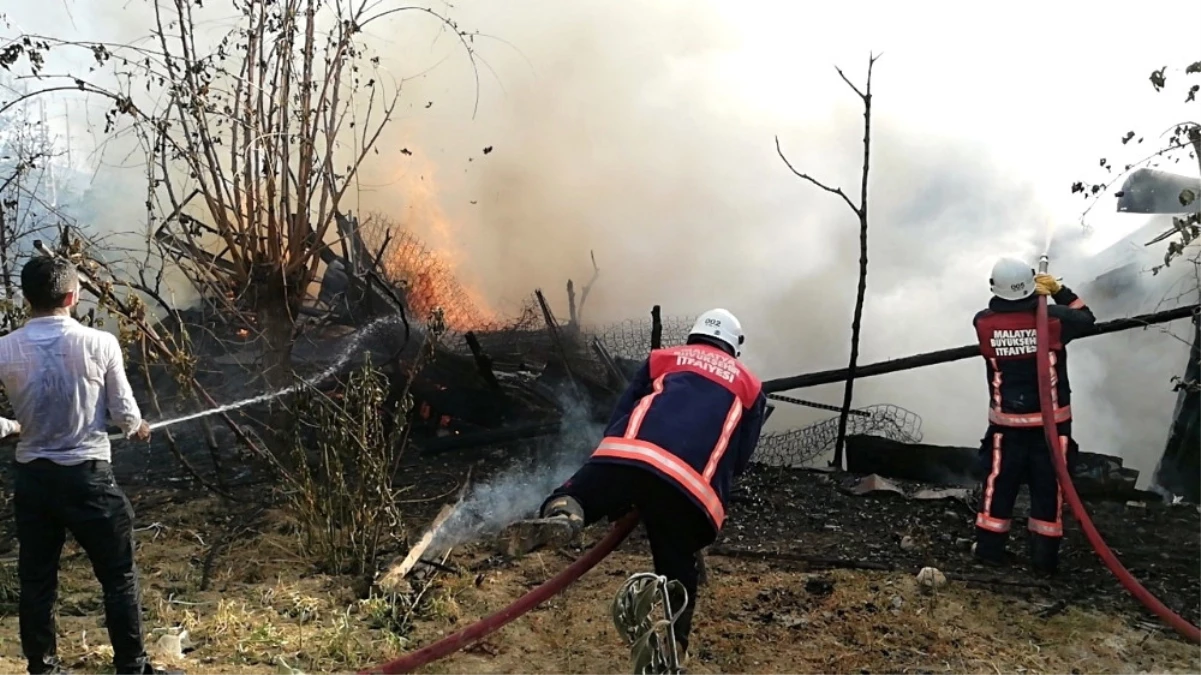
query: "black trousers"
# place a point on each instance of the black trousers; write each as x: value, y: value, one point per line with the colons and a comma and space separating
x: 50, y: 500
x: 675, y: 526
x: 1011, y: 457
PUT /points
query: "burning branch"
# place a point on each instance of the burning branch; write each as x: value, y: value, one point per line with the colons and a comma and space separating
x: 860, y: 211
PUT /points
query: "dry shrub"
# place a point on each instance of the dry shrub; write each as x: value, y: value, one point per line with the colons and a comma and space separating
x: 344, y: 450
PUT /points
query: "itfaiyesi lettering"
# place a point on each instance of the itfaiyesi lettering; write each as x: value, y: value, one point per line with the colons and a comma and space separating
x: 720, y: 365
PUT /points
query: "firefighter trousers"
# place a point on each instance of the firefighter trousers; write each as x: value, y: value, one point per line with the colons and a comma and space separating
x: 675, y: 526
x: 1012, y: 457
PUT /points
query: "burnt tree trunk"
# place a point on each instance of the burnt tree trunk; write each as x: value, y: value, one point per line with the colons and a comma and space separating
x: 1179, y: 468
x: 860, y: 211
x: 861, y: 293
x: 276, y: 301
x: 277, y: 306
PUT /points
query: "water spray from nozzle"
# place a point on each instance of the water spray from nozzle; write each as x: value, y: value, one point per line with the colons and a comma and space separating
x: 354, y: 346
x: 1044, y: 261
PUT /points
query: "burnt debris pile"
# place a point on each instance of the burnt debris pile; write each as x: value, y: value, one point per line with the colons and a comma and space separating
x: 476, y: 379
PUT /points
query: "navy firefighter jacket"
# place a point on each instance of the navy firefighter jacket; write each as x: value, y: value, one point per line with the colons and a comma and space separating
x: 692, y: 415
x: 1007, y: 340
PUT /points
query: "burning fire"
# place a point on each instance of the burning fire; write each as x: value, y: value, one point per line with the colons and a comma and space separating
x: 430, y: 269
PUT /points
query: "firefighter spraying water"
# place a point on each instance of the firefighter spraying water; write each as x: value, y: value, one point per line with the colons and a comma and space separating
x: 1014, y: 451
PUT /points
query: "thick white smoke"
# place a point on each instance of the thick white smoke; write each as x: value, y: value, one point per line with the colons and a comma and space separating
x: 644, y: 132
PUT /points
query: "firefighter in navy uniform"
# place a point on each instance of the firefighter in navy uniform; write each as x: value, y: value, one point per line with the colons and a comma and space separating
x: 683, y: 430
x: 1015, y: 449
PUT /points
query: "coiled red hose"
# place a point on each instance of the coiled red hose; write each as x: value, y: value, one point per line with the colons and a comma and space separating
x: 1059, y: 459
x: 453, y: 643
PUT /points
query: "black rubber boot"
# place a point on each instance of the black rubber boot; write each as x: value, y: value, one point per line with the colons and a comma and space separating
x: 50, y: 665
x: 1044, y: 554
x: 990, y: 547
x: 562, y: 520
x: 564, y: 506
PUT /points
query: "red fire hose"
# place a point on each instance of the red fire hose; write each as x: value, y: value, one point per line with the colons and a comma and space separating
x: 623, y: 527
x: 453, y: 643
x: 1059, y: 459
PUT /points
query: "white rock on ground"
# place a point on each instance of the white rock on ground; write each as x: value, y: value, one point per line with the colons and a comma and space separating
x: 930, y: 578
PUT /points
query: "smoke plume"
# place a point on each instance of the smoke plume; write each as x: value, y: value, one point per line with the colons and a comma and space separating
x: 612, y: 134
x: 636, y: 131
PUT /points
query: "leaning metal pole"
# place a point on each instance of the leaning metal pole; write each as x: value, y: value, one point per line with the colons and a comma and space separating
x: 958, y: 353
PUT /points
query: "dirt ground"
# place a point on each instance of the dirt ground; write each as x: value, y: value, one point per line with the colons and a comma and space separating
x: 231, y: 576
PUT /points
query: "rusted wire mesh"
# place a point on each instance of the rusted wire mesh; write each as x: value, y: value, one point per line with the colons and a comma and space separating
x: 631, y: 339
x: 425, y: 278
x: 798, y: 447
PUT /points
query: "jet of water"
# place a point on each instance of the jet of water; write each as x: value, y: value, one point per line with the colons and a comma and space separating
x: 353, y: 346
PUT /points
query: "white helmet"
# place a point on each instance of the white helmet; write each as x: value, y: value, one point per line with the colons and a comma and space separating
x: 1012, y: 279
x: 720, y: 324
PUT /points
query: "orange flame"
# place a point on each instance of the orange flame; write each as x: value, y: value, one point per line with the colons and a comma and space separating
x: 430, y: 270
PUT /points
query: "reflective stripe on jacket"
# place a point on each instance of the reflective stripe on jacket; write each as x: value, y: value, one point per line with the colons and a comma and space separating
x: 693, y: 415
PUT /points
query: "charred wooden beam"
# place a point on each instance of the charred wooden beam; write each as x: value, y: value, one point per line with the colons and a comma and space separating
x: 483, y: 362
x: 815, y: 404
x: 572, y: 317
x: 522, y: 432
x: 656, y: 328
x: 552, y: 327
x: 958, y: 353
x: 615, y: 374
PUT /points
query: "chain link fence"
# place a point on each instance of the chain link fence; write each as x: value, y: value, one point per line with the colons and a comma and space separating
x: 803, y: 446
x: 631, y: 339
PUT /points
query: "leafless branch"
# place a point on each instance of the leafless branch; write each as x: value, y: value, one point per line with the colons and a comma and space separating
x: 814, y: 181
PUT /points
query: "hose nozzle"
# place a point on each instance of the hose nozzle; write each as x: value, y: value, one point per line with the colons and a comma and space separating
x: 1043, y: 263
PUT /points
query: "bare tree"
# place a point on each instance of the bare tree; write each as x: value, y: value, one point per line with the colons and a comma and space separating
x: 252, y: 144
x: 860, y: 211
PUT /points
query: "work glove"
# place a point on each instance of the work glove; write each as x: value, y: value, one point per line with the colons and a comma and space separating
x: 1045, y: 284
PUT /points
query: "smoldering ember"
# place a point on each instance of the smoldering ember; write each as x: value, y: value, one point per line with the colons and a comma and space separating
x: 384, y: 278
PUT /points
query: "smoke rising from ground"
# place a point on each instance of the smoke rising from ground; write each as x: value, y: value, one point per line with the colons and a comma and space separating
x: 518, y: 491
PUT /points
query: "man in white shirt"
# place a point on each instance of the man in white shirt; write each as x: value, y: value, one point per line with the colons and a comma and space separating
x: 61, y: 378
